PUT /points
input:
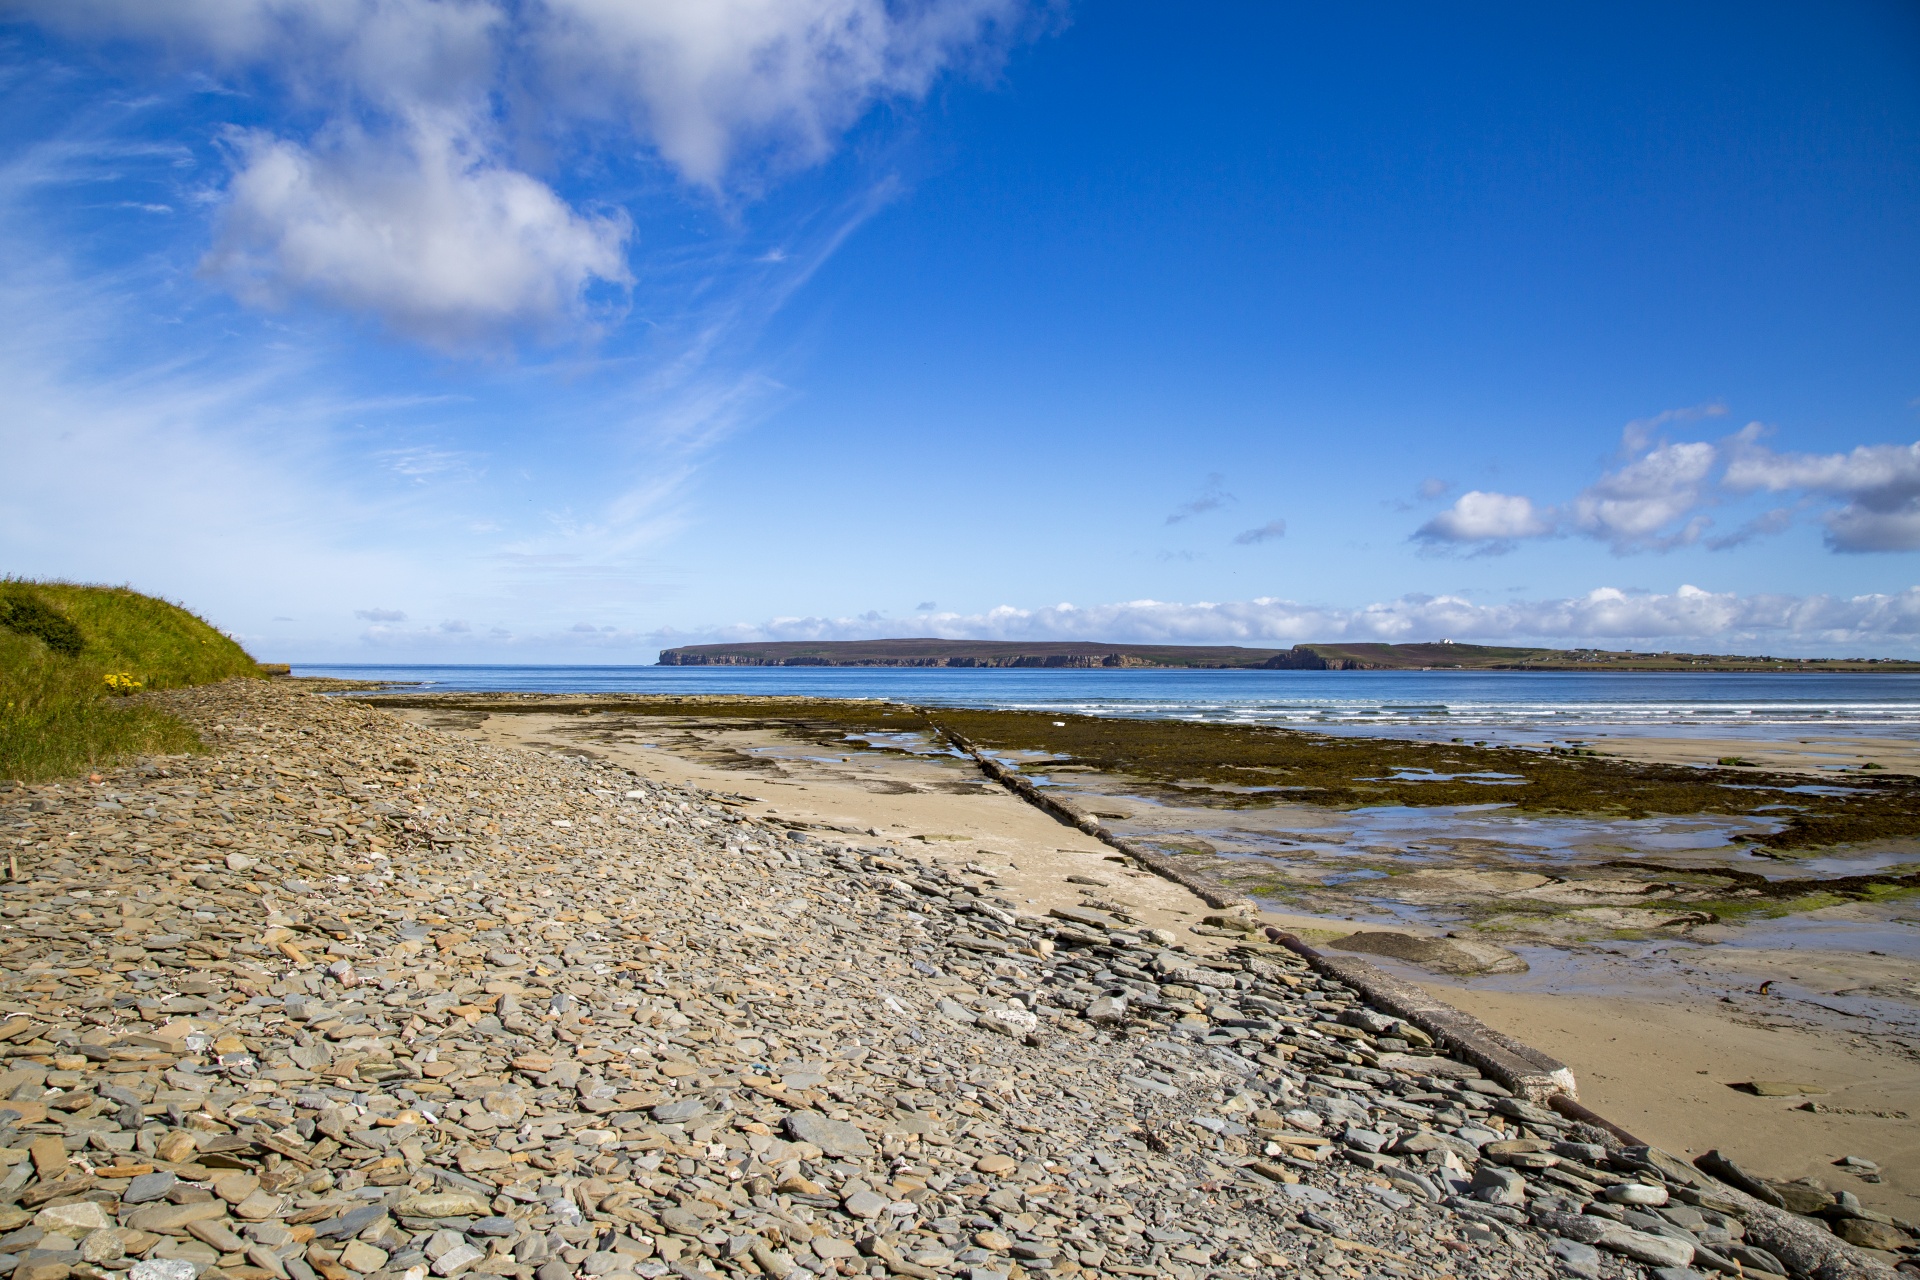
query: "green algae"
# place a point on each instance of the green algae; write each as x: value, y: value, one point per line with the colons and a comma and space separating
x: 1251, y: 766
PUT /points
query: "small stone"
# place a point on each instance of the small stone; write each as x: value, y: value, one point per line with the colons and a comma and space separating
x: 1872, y: 1235
x: 1641, y: 1246
x: 1781, y: 1088
x: 1797, y: 1197
x: 1364, y: 1140
x: 73, y: 1219
x: 176, y: 1147
x: 217, y: 1234
x: 492, y: 1226
x: 360, y: 1256
x: 165, y: 1218
x: 835, y: 1137
x: 162, y: 1269
x: 266, y: 1259
x: 1575, y: 1258
x: 257, y: 1207
x: 1495, y: 1185
x: 148, y: 1186
x: 350, y: 1223
x: 1639, y: 1193
x: 105, y: 1245
x: 444, y: 1204
x: 1013, y: 1021
x: 993, y: 1241
x: 49, y: 1158
x: 995, y: 1164
x: 865, y: 1204
x: 235, y: 1187
x: 456, y: 1259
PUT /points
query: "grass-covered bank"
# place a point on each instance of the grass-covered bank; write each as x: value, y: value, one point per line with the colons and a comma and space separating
x: 74, y: 660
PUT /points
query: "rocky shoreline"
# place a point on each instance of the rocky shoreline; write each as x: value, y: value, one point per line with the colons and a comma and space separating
x: 346, y: 998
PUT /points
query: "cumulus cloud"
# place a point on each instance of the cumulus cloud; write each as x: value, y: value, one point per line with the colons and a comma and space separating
x: 1265, y: 533
x: 706, y: 80
x: 1658, y: 499
x: 1879, y: 487
x: 1606, y: 614
x: 406, y: 198
x: 428, y: 233
x: 1636, y: 507
x: 1494, y: 521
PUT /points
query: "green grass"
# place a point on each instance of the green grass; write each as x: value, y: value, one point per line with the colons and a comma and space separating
x: 58, y: 714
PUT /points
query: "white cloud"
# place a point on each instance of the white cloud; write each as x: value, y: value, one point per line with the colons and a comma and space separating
x: 1605, y: 614
x: 380, y: 615
x: 706, y: 80
x: 1657, y: 500
x: 1879, y: 485
x: 407, y: 200
x: 1495, y: 520
x: 1636, y: 507
x: 428, y: 233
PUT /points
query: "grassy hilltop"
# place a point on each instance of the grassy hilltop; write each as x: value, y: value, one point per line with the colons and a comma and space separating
x: 73, y: 660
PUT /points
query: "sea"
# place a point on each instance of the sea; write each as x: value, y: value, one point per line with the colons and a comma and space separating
x: 1538, y: 706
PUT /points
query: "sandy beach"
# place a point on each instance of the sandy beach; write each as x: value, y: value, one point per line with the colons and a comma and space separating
x: 1656, y: 1046
x: 1815, y: 756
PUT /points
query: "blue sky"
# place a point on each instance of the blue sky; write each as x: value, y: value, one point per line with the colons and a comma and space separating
x: 503, y: 330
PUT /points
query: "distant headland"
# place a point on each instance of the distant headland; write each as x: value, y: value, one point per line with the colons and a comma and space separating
x: 1441, y: 655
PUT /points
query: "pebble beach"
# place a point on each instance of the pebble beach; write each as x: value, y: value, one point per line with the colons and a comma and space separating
x: 351, y: 998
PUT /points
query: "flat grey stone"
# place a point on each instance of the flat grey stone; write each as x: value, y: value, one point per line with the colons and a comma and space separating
x: 351, y: 1223
x: 1576, y: 1258
x: 148, y: 1186
x: 835, y: 1137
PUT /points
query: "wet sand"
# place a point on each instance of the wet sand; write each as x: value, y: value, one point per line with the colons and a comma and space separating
x: 1809, y: 755
x: 1638, y: 1027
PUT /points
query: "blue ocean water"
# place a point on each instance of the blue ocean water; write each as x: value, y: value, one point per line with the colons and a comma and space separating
x: 1417, y: 703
